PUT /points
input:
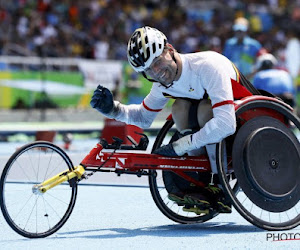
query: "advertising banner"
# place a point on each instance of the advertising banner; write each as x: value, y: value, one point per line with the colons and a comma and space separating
x: 27, y: 87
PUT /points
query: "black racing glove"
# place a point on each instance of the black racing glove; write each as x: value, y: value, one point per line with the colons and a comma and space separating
x: 166, y: 150
x: 102, y: 100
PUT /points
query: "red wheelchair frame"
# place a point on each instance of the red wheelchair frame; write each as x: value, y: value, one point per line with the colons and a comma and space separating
x: 260, y: 207
x: 135, y: 163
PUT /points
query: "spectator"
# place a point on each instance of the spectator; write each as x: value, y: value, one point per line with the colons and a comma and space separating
x: 241, y: 49
x: 101, y: 48
x: 276, y: 81
x: 195, y: 26
x: 292, y: 54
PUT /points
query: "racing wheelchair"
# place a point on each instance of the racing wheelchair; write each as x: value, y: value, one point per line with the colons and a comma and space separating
x: 258, y: 168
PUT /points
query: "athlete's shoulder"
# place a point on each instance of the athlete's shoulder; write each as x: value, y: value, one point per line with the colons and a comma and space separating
x: 205, y: 64
x: 196, y: 61
x: 203, y: 56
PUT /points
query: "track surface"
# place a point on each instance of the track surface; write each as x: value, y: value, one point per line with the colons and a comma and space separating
x: 118, y: 213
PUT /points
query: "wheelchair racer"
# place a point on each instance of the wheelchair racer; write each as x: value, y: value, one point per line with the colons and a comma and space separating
x: 274, y: 80
x: 201, y: 121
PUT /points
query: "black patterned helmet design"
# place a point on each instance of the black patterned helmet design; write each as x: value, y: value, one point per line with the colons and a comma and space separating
x: 144, y: 45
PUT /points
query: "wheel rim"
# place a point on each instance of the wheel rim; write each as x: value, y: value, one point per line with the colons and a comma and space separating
x: 30, y: 213
x: 261, y: 216
x: 265, y: 160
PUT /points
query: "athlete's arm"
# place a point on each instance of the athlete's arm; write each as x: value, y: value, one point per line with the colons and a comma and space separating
x: 141, y: 115
x: 217, y: 82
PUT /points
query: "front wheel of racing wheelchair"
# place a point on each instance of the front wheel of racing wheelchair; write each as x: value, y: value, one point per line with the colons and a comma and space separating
x: 28, y: 211
x: 265, y: 153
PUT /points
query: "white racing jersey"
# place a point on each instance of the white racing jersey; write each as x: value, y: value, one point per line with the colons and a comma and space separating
x: 202, y: 72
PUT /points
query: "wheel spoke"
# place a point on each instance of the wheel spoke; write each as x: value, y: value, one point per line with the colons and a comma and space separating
x: 48, y: 166
x: 28, y: 178
x: 23, y: 206
x: 287, y: 215
x: 53, y: 171
x: 57, y: 198
x: 244, y: 200
x: 261, y: 213
x: 54, y: 210
x: 29, y: 157
x: 46, y: 213
x: 31, y: 213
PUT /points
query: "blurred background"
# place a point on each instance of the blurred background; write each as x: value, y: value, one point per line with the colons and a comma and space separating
x: 54, y: 53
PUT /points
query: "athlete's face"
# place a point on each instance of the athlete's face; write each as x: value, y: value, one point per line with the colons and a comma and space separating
x: 163, y: 68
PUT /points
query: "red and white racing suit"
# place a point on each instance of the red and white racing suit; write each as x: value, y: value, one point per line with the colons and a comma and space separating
x: 202, y: 72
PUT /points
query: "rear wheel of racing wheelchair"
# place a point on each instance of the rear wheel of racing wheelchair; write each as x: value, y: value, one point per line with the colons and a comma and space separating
x: 28, y: 212
x: 266, y: 163
x: 159, y: 191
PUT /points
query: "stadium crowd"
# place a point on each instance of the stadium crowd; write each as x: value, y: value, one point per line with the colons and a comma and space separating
x: 100, y: 28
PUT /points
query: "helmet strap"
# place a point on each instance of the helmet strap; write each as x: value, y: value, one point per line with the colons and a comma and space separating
x: 149, y: 79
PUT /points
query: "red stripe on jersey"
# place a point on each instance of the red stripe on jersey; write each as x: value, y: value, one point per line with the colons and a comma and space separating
x: 222, y: 103
x: 149, y: 109
x: 239, y: 91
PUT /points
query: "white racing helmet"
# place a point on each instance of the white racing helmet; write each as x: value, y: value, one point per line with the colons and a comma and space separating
x: 144, y: 45
x: 265, y: 61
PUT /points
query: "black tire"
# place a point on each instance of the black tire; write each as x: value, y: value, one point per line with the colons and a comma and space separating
x: 255, y: 214
x: 38, y: 215
x: 159, y: 193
